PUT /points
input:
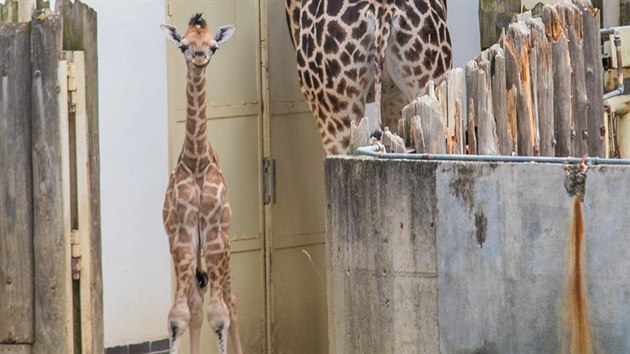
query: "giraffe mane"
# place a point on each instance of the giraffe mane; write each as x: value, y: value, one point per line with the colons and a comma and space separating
x: 197, y: 20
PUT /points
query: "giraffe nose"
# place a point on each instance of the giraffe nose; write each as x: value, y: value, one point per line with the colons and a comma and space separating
x: 199, y: 53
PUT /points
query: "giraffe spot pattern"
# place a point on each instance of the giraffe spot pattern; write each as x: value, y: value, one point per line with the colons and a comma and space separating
x: 338, y: 55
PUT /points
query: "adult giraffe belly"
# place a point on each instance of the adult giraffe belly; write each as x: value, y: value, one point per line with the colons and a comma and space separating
x: 341, y: 47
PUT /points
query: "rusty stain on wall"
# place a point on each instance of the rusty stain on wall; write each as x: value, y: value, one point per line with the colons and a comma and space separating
x: 577, y: 324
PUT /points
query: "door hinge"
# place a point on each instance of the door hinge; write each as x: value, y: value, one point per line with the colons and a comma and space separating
x: 269, y: 180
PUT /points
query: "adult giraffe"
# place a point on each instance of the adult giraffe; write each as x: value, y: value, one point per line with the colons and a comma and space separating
x: 350, y: 52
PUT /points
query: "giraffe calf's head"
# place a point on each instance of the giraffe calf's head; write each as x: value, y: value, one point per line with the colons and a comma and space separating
x: 198, y: 44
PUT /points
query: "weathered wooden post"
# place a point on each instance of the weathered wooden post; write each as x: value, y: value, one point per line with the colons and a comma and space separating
x: 16, y: 187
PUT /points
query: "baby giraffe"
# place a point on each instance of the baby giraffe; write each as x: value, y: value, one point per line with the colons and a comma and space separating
x: 196, y: 210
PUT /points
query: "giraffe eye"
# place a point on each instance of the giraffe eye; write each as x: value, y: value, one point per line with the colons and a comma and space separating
x: 213, y: 49
x: 183, y: 48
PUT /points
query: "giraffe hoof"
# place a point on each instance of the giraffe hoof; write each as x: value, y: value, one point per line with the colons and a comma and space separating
x: 202, y: 279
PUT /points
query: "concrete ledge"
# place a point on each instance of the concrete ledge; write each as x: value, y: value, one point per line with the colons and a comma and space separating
x: 429, y: 257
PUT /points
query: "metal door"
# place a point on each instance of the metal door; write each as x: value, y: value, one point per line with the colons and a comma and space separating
x: 257, y: 119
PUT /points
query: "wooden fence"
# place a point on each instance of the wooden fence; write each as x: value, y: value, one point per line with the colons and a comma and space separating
x: 50, y: 269
x: 537, y: 92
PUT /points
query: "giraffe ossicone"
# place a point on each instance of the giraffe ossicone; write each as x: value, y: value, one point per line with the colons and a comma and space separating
x: 196, y: 212
x: 350, y: 52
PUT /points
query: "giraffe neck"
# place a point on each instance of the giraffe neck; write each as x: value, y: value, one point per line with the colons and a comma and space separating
x: 197, y: 151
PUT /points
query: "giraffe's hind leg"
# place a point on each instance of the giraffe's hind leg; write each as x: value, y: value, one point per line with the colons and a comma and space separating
x: 195, y: 304
x: 179, y: 316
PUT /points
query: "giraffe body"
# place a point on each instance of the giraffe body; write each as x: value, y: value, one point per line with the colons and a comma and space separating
x: 197, y: 213
x: 350, y: 52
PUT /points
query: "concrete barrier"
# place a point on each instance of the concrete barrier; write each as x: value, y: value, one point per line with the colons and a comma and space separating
x: 451, y: 257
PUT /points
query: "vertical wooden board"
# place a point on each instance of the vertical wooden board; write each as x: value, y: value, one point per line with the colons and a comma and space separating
x: 471, y: 94
x: 573, y: 26
x: 83, y: 200
x: 486, y: 132
x: 64, y: 148
x: 543, y: 83
x: 499, y: 103
x: 594, y: 73
x: 51, y: 332
x: 454, y: 121
x: 16, y: 203
x: 516, y: 48
x: 561, y: 80
x: 512, y: 126
x: 80, y: 33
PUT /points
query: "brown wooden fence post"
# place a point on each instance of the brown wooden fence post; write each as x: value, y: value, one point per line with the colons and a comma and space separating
x: 561, y: 80
x: 16, y: 185
x: 51, y: 322
x: 80, y: 33
x: 594, y: 75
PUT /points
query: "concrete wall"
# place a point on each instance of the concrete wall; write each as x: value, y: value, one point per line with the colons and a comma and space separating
x: 475, y: 258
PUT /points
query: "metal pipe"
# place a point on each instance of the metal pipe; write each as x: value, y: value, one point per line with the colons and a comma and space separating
x: 373, y: 151
x: 618, y: 91
x: 616, y: 40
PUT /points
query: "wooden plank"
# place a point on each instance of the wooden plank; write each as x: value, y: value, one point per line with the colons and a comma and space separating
x: 455, y: 113
x: 393, y: 143
x: 572, y: 21
x: 359, y: 135
x: 486, y: 125
x: 471, y: 94
x: 518, y: 74
x: 80, y: 33
x: 499, y: 101
x: 543, y: 86
x: 512, y: 125
x: 561, y: 80
x: 16, y: 206
x: 427, y: 126
x: 64, y: 148
x: 84, y: 198
x: 51, y: 332
x: 594, y: 73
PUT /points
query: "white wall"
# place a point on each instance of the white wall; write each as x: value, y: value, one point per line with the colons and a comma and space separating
x: 134, y: 169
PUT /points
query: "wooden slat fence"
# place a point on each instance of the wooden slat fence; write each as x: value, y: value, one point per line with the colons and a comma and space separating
x: 41, y: 133
x: 537, y: 92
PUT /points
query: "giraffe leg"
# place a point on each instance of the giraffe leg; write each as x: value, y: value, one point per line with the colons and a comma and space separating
x: 195, y: 304
x: 179, y: 315
x: 219, y: 318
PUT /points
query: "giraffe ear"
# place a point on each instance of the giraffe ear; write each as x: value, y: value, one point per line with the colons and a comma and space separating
x: 171, y: 34
x: 224, y: 33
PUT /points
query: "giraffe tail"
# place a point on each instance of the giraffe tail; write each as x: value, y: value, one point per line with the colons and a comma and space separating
x: 202, y: 279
